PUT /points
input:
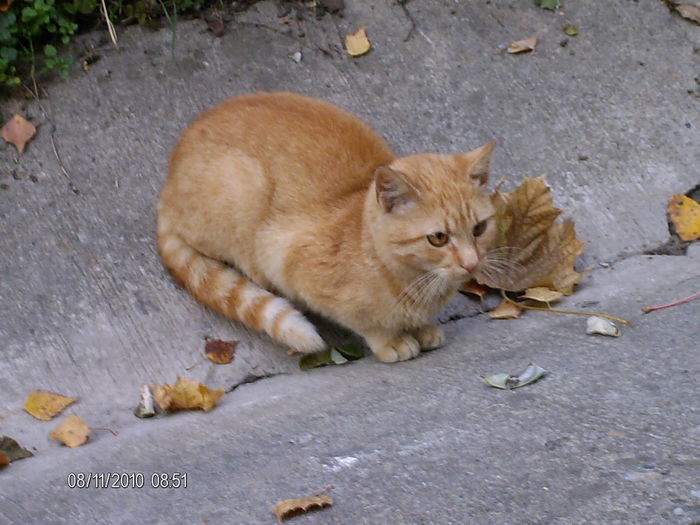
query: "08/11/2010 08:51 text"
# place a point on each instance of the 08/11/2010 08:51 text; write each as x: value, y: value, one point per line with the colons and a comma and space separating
x: 126, y: 480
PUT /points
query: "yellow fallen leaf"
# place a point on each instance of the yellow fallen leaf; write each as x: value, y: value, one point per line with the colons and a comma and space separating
x: 72, y: 431
x: 685, y: 216
x: 357, y: 44
x: 288, y: 508
x: 4, y: 460
x: 18, y: 131
x: 542, y: 294
x: 530, y: 248
x: 186, y: 394
x: 520, y: 46
x: 46, y: 405
x: 220, y: 352
x: 506, y: 310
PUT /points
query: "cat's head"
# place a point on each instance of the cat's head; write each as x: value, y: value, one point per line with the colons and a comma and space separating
x: 433, y: 213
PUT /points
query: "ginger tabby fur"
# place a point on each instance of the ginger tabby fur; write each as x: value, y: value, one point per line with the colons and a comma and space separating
x: 276, y: 194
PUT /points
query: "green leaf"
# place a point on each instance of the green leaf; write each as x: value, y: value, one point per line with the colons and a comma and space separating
x: 337, y: 355
x: 309, y: 361
x: 547, y: 4
x: 8, y: 20
x: 8, y: 53
x: 49, y: 50
x: 352, y: 351
x: 570, y: 30
x: 28, y: 13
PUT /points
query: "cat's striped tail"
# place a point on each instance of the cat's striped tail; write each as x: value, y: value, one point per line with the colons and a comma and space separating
x: 230, y: 293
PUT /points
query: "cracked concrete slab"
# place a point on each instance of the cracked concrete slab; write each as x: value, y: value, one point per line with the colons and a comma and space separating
x: 611, y: 435
x: 87, y: 310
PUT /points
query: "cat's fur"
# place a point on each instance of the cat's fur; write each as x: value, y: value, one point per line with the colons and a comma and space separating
x: 275, y: 194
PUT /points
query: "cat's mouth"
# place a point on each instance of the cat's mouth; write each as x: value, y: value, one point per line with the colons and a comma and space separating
x: 459, y: 276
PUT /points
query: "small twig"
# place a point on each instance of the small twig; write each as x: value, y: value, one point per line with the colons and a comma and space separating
x: 669, y: 305
x: 572, y: 312
x: 329, y: 487
x: 60, y: 162
x: 34, y: 90
x: 105, y: 429
x: 110, y: 25
x: 408, y: 14
x: 199, y: 362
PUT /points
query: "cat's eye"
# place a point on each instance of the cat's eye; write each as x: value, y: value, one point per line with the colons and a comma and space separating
x: 479, y: 229
x: 438, y: 239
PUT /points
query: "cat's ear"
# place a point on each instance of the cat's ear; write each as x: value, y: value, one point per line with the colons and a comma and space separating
x: 394, y: 193
x: 477, y: 162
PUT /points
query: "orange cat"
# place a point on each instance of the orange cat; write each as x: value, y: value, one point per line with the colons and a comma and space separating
x: 275, y: 194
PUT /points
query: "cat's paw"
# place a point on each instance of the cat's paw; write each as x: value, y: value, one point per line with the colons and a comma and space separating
x: 430, y: 336
x: 399, y: 348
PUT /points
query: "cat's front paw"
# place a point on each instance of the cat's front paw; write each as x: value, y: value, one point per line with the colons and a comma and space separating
x: 430, y: 336
x: 399, y: 348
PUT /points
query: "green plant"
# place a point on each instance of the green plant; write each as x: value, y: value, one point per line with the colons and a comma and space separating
x: 28, y: 31
x: 32, y: 31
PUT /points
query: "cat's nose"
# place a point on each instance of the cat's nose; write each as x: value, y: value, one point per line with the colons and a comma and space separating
x: 470, y: 266
x: 468, y: 259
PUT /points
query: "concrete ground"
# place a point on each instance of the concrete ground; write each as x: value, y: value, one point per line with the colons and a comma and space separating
x: 611, y: 435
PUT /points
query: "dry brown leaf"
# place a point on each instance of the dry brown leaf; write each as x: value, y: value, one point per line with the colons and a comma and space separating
x: 506, y: 310
x: 186, y: 394
x: 220, y: 352
x: 688, y: 11
x: 563, y: 246
x: 542, y: 294
x: 18, y: 131
x: 4, y: 460
x: 520, y: 46
x: 5, y: 4
x: 72, y: 431
x: 475, y: 289
x: 684, y: 213
x: 288, y: 508
x: 530, y: 248
x: 357, y: 44
x: 46, y: 405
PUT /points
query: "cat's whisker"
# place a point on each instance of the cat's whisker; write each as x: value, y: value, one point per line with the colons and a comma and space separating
x: 423, y: 297
x: 416, y: 284
x: 504, y: 267
x: 504, y: 250
x: 434, y: 289
x: 486, y: 272
x: 413, y: 290
x: 503, y: 263
x: 422, y: 292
